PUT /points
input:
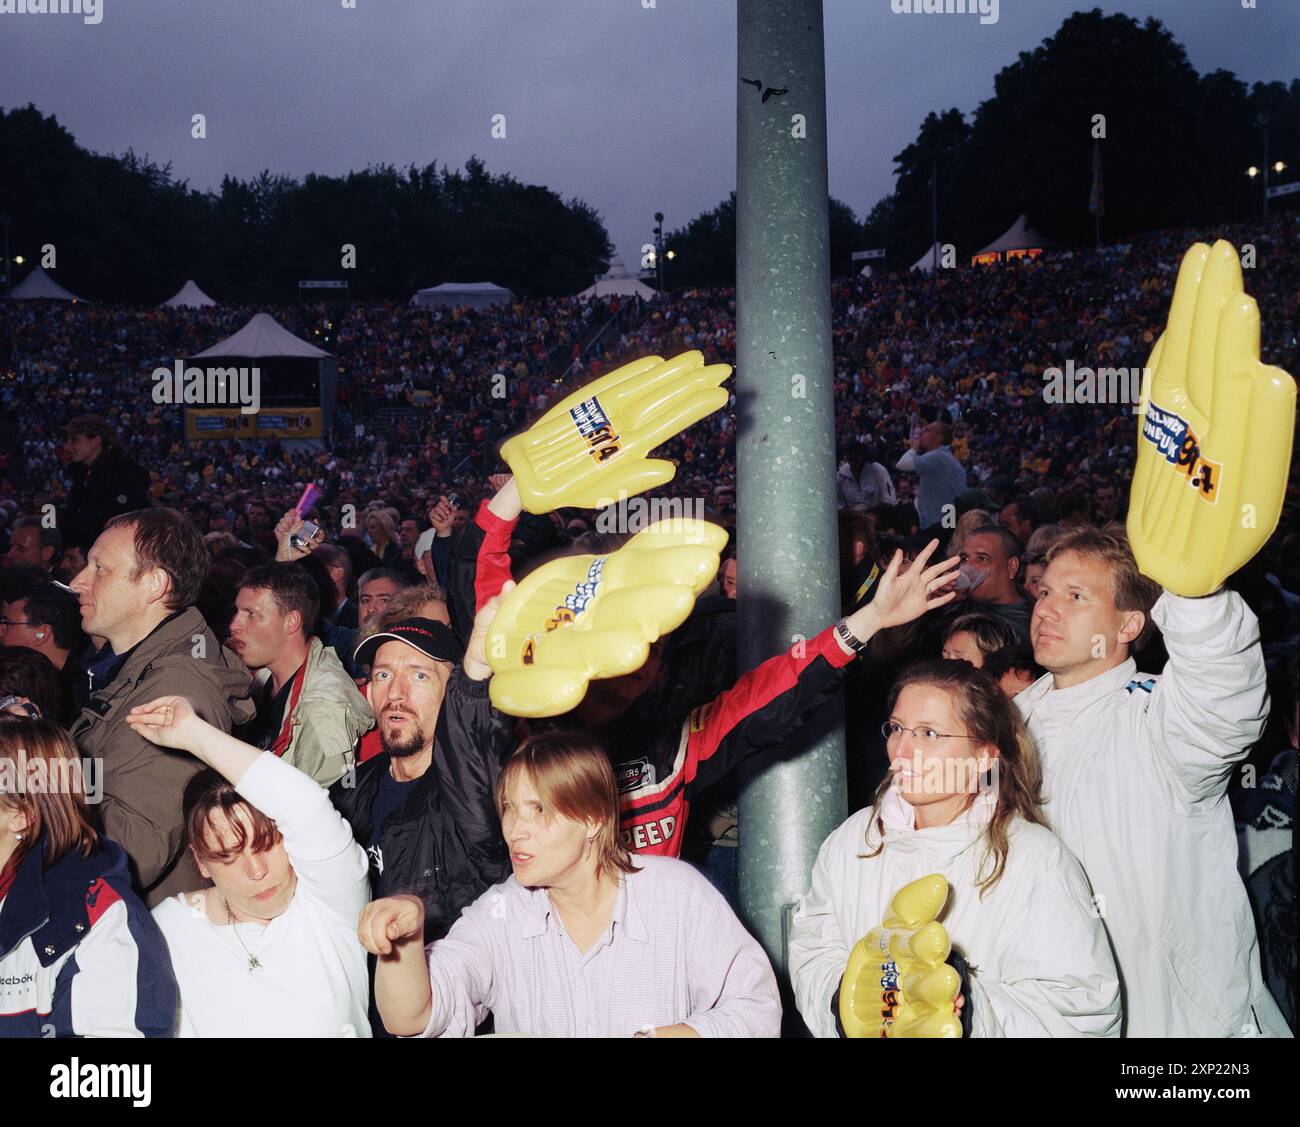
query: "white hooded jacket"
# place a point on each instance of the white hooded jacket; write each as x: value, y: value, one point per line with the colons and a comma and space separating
x: 1135, y: 778
x: 1039, y: 962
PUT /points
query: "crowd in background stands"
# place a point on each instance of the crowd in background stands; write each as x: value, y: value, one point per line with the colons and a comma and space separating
x: 945, y: 367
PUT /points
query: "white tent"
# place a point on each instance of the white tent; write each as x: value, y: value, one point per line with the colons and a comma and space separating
x: 188, y: 296
x: 39, y: 286
x: 926, y: 262
x: 263, y: 336
x: 617, y: 283
x: 1017, y: 241
x: 477, y: 295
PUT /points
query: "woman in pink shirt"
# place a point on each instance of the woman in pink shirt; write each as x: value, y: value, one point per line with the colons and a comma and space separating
x: 584, y: 940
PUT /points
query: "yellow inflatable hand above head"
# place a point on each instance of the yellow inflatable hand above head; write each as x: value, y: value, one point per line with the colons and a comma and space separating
x: 590, y: 448
x: 897, y: 983
x: 585, y: 617
x: 1214, y: 441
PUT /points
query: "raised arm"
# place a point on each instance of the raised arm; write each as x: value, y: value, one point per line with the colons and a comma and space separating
x: 1210, y: 704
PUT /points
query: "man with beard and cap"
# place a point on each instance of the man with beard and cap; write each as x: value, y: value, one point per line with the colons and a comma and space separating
x: 423, y: 808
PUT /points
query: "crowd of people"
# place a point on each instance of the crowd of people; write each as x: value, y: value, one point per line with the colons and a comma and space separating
x: 295, y: 810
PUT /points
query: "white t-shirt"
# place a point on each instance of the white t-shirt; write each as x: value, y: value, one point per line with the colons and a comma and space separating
x: 313, y: 980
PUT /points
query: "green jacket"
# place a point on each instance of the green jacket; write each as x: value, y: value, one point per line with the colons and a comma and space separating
x: 143, y: 783
x: 329, y: 720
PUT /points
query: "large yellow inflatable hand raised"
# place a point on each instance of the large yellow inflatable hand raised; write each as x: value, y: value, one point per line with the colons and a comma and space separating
x: 896, y: 983
x: 1214, y: 442
x: 585, y: 617
x: 589, y: 450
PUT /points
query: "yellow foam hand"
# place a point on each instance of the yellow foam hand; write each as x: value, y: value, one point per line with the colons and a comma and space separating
x: 589, y: 450
x: 1214, y: 441
x: 584, y: 617
x: 897, y: 983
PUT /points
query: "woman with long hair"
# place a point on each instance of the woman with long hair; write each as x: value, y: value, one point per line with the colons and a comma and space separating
x: 962, y: 799
x: 585, y: 939
x: 80, y: 955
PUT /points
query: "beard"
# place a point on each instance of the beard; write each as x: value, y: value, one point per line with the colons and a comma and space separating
x: 399, y: 747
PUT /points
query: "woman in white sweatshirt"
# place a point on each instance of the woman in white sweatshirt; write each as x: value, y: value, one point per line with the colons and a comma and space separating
x: 962, y: 800
x: 270, y: 950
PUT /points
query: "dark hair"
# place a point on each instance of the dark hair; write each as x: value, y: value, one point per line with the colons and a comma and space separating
x: 165, y: 539
x: 391, y: 574
x: 57, y: 608
x: 990, y: 633
x: 292, y: 589
x: 1027, y: 509
x: 987, y: 715
x: 208, y: 792
x: 331, y: 555
x: 1018, y: 658
x: 1073, y: 502
x: 51, y: 537
x: 27, y: 673
x: 1009, y: 540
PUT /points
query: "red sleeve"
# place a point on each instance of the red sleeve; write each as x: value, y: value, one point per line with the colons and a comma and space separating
x: 492, y: 568
x: 100, y: 896
x: 764, y: 707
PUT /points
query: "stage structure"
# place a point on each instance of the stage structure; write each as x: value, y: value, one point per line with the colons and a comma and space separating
x: 792, y: 799
x: 298, y: 387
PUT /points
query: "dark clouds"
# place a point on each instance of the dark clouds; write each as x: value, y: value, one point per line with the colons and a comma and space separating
x: 629, y: 108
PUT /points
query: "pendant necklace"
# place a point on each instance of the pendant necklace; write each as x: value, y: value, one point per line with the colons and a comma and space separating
x: 254, y: 963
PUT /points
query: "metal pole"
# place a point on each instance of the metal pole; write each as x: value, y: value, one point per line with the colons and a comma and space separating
x: 792, y: 798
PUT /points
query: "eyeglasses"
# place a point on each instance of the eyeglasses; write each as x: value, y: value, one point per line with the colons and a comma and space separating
x: 926, y: 737
x: 13, y: 622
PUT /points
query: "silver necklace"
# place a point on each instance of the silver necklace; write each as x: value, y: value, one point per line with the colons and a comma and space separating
x: 254, y: 963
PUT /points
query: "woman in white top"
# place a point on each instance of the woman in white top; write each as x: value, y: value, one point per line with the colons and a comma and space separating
x: 271, y: 949
x: 962, y: 800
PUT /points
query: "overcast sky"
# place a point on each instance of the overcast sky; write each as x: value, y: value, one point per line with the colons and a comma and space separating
x: 627, y: 107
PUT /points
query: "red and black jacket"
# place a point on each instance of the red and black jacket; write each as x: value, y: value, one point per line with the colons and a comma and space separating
x: 661, y: 766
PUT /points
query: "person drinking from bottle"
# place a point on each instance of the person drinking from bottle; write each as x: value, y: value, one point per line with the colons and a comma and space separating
x: 962, y: 800
x: 270, y: 950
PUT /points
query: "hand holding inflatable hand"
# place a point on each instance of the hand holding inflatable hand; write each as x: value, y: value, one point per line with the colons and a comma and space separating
x: 1214, y: 443
x: 583, y: 617
x: 896, y: 983
x: 591, y: 446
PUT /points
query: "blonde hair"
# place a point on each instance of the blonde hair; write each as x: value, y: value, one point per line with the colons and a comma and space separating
x: 574, y: 778
x: 967, y: 523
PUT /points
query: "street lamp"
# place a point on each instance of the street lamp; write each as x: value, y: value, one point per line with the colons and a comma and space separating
x: 659, y: 248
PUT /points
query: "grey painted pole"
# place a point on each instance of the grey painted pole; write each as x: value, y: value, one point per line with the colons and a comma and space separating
x: 785, y: 449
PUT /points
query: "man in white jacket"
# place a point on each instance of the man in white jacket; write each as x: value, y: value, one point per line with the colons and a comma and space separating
x: 1135, y: 778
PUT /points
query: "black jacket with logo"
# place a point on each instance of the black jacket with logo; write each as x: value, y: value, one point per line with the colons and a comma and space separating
x: 112, y: 484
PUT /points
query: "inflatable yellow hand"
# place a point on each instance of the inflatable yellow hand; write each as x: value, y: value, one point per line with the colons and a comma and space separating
x: 1214, y: 442
x: 589, y: 450
x: 896, y: 983
x: 585, y: 617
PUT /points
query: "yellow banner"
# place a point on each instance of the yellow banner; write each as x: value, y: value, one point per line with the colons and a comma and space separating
x: 222, y: 423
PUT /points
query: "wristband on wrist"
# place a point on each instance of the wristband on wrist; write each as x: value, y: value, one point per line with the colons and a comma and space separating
x: 842, y: 631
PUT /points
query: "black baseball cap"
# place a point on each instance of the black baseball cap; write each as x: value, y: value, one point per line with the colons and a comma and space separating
x: 429, y: 637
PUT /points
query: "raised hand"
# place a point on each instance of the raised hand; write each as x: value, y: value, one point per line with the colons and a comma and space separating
x: 1214, y: 441
x: 584, y: 617
x: 591, y: 447
x: 285, y: 550
x: 442, y: 516
x: 168, y: 722
x: 904, y: 594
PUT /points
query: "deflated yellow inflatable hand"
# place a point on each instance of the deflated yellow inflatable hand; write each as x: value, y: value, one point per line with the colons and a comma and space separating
x: 591, y: 447
x: 585, y: 617
x: 1214, y: 443
x: 896, y: 983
